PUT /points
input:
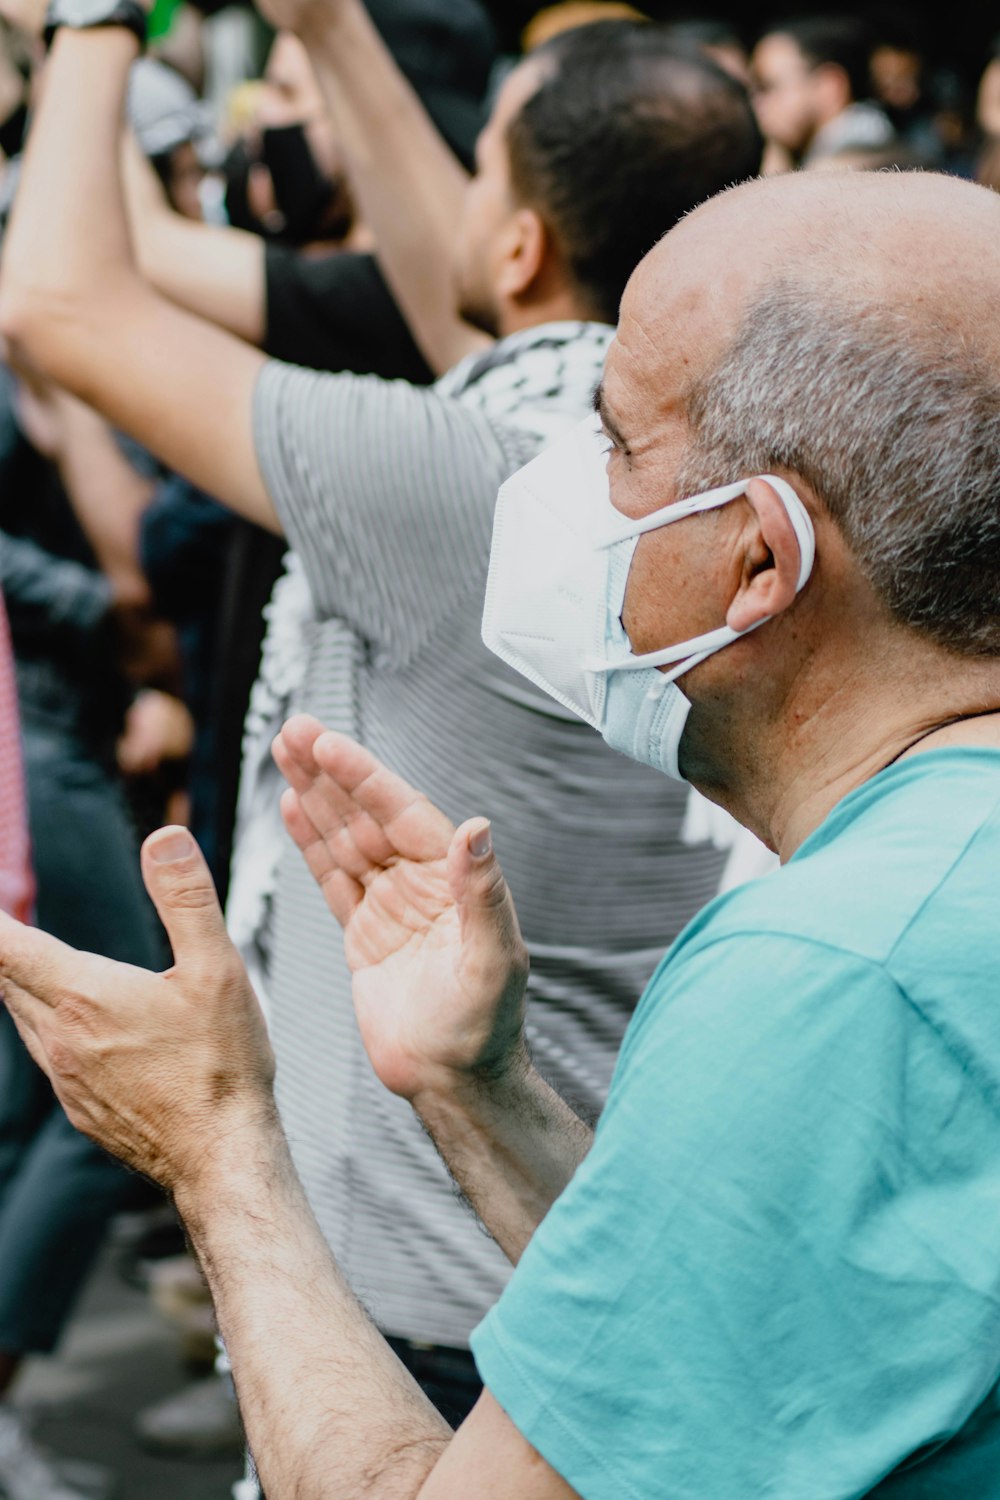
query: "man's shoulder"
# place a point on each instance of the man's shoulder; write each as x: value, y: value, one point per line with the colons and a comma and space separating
x: 892, y: 896
x: 905, y: 842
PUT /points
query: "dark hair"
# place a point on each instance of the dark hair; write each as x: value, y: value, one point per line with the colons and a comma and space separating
x: 845, y: 41
x: 627, y: 133
x: 705, y: 32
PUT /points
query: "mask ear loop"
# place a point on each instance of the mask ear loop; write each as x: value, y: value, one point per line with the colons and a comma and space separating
x: 692, y: 652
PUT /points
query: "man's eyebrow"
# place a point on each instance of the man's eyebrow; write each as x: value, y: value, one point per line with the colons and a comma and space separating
x: 607, y: 421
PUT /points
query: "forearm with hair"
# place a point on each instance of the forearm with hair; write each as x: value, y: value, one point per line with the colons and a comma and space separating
x: 512, y: 1146
x: 329, y: 1411
x: 407, y: 182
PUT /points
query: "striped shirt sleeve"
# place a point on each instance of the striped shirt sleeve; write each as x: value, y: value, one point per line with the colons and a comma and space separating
x: 386, y: 491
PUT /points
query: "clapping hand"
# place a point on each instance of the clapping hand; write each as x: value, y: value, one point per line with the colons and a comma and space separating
x: 157, y: 1068
x: 431, y: 935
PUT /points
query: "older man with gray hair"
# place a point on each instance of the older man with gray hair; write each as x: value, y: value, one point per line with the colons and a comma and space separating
x: 775, y: 1270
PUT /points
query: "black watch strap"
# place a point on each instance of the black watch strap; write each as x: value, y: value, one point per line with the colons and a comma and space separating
x: 85, y: 15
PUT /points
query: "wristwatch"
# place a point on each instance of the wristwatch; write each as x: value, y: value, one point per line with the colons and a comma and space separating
x: 84, y: 14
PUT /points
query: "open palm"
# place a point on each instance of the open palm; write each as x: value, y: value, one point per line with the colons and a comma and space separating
x: 430, y: 931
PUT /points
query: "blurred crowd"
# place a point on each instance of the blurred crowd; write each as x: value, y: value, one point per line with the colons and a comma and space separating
x: 163, y: 622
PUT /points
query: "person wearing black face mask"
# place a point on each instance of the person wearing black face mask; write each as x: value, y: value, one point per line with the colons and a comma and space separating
x: 306, y: 205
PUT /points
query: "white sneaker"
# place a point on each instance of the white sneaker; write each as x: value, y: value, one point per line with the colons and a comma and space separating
x: 28, y: 1472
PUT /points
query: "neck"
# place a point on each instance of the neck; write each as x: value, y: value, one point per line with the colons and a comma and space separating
x: 560, y: 306
x: 834, y: 739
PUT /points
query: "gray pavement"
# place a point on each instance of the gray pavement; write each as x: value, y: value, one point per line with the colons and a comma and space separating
x: 117, y: 1357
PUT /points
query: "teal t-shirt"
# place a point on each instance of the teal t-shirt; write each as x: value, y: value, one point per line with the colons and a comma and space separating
x: 778, y: 1271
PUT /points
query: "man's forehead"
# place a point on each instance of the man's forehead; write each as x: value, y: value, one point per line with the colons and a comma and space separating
x: 684, y: 296
x: 904, y: 228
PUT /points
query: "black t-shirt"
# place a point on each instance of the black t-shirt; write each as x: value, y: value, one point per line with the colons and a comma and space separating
x: 335, y: 312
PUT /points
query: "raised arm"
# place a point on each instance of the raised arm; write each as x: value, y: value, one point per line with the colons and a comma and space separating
x: 214, y: 272
x: 73, y: 303
x: 407, y: 183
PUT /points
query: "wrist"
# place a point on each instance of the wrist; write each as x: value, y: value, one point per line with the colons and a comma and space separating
x: 244, y: 1140
x: 478, y: 1093
x: 328, y: 31
x: 90, y: 15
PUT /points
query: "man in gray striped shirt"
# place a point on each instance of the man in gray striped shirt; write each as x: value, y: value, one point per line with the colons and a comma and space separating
x: 386, y: 492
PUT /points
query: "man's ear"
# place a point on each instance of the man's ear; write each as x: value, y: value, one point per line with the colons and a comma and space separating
x: 771, y: 560
x: 525, y: 251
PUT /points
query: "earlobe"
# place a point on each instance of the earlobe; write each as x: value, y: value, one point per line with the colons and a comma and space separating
x: 772, y: 561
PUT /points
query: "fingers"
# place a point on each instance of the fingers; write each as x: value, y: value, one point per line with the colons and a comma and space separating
x: 33, y: 962
x: 367, y: 815
x: 356, y: 842
x: 37, y: 973
x: 415, y: 827
x: 341, y: 892
x: 181, y: 888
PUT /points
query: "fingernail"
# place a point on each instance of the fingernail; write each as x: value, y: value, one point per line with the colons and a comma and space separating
x: 480, y: 842
x: 173, y: 847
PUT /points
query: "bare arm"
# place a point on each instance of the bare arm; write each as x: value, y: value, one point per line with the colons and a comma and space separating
x: 214, y: 272
x: 173, y: 1073
x: 107, y: 494
x: 512, y: 1145
x: 408, y: 184
x: 73, y: 302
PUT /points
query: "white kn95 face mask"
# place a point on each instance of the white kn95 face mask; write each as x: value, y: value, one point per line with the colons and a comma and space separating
x: 559, y: 566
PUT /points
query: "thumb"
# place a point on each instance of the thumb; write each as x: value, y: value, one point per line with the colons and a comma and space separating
x: 180, y: 887
x: 480, y: 890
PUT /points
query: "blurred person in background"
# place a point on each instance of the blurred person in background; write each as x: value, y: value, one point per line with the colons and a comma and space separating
x: 899, y: 72
x: 75, y: 629
x: 17, y: 880
x: 553, y: 20
x: 15, y: 82
x: 720, y: 39
x: 284, y: 177
x: 988, y: 121
x: 894, y: 157
x: 86, y: 557
x: 812, y: 90
x: 304, y: 285
x: 172, y: 127
x: 597, y: 144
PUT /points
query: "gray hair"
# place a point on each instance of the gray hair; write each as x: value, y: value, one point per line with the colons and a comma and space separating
x: 893, y: 423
